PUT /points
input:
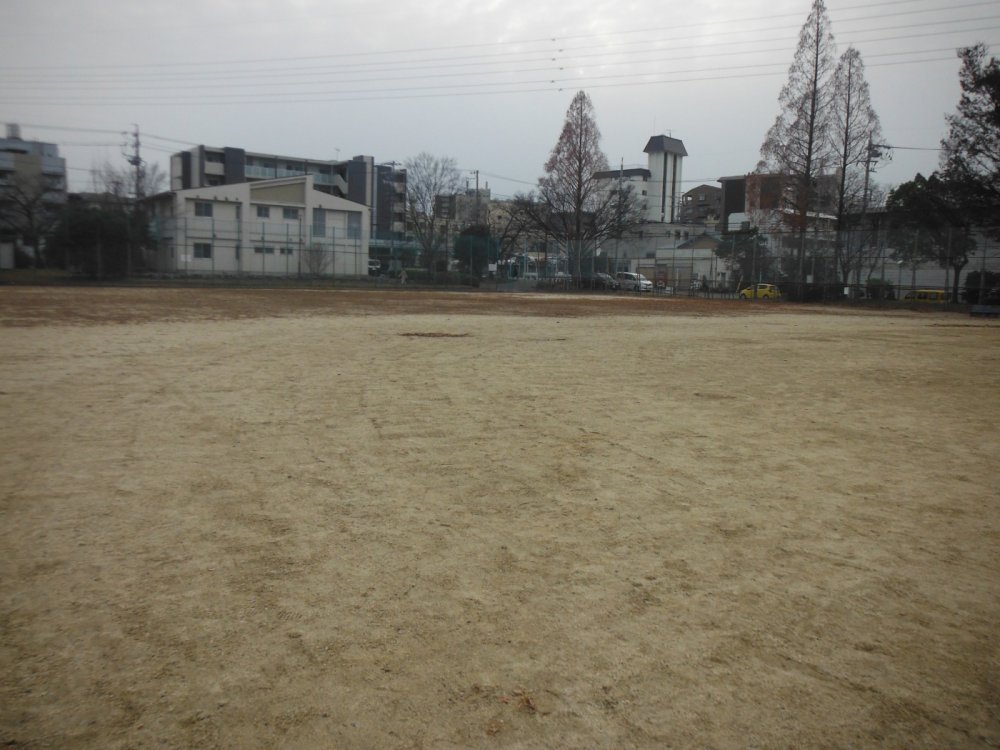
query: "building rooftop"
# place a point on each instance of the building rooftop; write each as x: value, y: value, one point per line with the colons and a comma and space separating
x: 631, y: 172
x: 664, y: 143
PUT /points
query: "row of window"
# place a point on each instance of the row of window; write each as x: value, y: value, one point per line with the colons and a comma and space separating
x: 202, y: 208
x: 203, y: 250
x: 264, y: 212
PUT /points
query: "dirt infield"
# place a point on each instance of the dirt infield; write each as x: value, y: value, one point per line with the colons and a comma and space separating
x: 349, y: 519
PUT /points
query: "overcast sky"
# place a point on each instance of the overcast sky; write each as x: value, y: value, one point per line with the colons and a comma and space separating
x: 485, y: 82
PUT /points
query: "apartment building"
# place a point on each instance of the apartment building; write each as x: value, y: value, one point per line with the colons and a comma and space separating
x: 380, y: 187
x: 702, y: 205
x: 278, y: 227
x: 32, y: 189
x: 465, y: 208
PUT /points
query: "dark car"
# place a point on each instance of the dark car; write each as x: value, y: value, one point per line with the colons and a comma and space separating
x: 598, y: 280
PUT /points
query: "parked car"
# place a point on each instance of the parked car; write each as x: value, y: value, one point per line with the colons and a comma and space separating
x: 374, y: 266
x: 764, y: 291
x: 633, y: 282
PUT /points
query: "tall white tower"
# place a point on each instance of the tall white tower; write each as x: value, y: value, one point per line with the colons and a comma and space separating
x: 665, y: 158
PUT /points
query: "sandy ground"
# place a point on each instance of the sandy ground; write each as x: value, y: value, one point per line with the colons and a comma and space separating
x: 315, y: 519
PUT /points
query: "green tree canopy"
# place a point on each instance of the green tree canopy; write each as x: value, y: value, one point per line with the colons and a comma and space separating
x: 93, y: 241
x: 930, y: 223
x: 970, y: 160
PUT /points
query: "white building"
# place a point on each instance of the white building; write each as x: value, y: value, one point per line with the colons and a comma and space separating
x: 381, y: 187
x: 282, y: 227
x: 666, y: 158
x: 658, y: 185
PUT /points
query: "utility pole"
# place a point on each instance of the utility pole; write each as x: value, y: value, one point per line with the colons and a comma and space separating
x: 135, y: 160
x: 476, y: 171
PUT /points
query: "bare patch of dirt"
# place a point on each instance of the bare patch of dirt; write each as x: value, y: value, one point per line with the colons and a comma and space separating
x: 256, y: 518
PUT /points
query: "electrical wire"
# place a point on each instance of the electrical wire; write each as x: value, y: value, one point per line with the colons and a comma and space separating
x: 536, y: 40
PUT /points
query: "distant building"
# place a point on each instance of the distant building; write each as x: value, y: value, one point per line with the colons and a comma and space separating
x: 666, y: 157
x: 702, y: 205
x: 32, y: 190
x: 463, y: 209
x: 658, y: 184
x: 380, y: 187
x: 776, y: 193
x: 280, y: 227
x: 636, y: 178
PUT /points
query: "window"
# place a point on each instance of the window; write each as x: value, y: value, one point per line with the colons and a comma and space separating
x: 286, y: 250
x: 290, y: 213
x: 319, y: 222
x: 263, y: 249
x: 202, y: 209
x: 263, y: 212
x: 203, y: 250
x: 354, y: 226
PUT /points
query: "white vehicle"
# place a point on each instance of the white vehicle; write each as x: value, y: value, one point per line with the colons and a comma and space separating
x: 634, y: 282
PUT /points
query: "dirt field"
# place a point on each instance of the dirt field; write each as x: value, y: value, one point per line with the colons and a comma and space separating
x: 336, y: 519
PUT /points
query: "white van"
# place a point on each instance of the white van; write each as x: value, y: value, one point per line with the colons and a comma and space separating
x: 634, y: 282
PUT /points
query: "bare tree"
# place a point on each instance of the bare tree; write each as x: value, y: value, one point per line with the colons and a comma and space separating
x: 427, y: 177
x: 507, y: 226
x: 316, y: 259
x: 112, y: 186
x: 119, y: 186
x: 573, y: 203
x: 798, y: 144
x: 120, y: 189
x: 856, y: 130
x: 29, y: 207
x: 154, y: 179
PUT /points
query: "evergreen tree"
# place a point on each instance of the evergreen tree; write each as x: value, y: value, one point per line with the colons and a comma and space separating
x: 929, y: 223
x: 970, y: 161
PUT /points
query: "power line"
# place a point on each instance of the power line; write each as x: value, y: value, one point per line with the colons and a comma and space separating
x: 73, y: 130
x: 395, y: 94
x: 169, y: 140
x: 562, y: 64
x: 537, y: 40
